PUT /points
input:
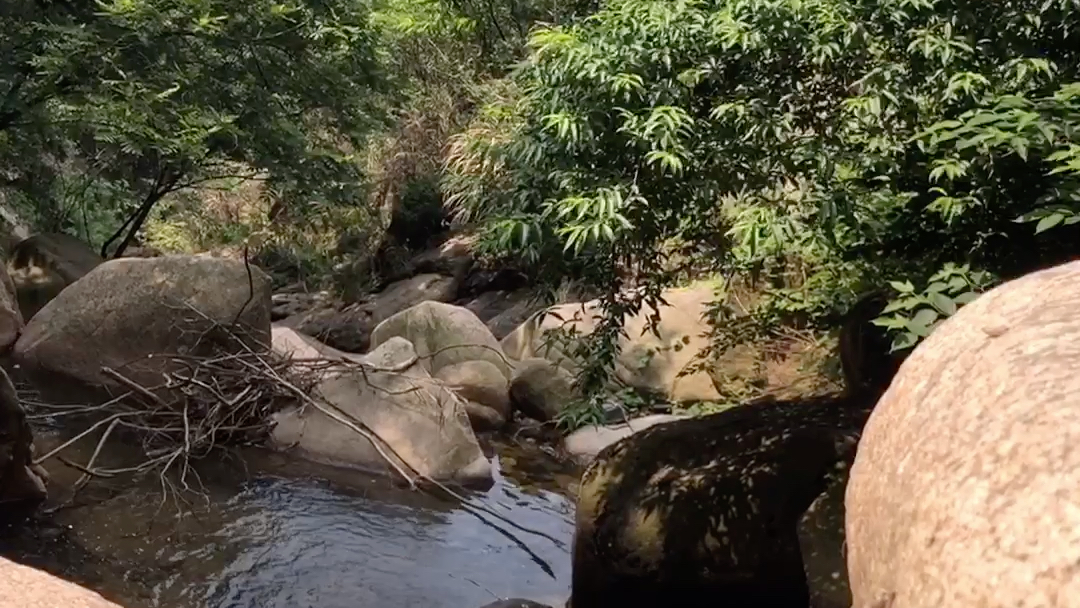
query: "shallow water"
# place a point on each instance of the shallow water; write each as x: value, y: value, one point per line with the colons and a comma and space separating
x: 271, y: 532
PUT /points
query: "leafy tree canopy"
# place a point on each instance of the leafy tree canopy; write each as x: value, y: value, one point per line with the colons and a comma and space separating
x: 152, y: 96
x: 825, y: 145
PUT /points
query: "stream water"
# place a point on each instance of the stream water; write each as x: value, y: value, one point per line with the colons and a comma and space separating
x: 270, y: 532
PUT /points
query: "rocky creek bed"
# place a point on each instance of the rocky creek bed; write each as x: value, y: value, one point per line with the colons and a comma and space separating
x: 270, y: 531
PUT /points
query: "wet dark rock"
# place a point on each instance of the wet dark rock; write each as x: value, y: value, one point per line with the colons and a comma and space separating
x: 22, y: 484
x: 42, y: 265
x: 867, y: 364
x: 503, y: 311
x: 516, y: 603
x: 285, y: 305
x: 349, y: 327
x: 483, y: 280
x: 684, y: 513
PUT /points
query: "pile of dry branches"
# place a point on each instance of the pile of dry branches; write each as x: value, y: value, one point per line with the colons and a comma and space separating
x: 202, y: 402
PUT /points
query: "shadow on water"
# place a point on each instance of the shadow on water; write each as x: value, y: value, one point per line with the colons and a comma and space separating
x: 268, y: 531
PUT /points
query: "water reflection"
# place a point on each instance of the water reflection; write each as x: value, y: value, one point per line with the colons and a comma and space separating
x: 274, y: 533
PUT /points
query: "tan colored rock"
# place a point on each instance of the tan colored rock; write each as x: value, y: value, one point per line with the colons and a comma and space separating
x: 443, y: 335
x: 25, y: 587
x: 647, y: 361
x: 412, y: 415
x: 485, y: 390
x: 42, y: 265
x: 127, y: 313
x: 307, y: 351
x: 20, y: 479
x: 540, y: 389
x: 966, y: 488
x: 534, y: 339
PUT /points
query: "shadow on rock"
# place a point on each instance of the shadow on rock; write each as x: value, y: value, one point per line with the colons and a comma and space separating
x: 687, y: 512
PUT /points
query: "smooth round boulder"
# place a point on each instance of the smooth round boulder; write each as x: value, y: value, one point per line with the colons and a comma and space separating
x: 703, y: 511
x: 966, y: 488
x: 485, y: 390
x: 443, y: 334
x: 131, y: 314
x: 418, y: 425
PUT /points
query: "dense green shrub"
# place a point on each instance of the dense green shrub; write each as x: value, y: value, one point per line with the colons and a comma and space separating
x: 822, y: 147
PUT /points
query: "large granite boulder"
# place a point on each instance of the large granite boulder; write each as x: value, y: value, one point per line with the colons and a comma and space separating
x: 706, y: 511
x: 660, y: 363
x: 966, y: 488
x: 133, y: 314
x: 381, y: 411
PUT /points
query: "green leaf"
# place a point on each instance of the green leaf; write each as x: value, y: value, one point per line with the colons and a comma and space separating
x: 1049, y: 222
x: 904, y: 287
x: 904, y: 341
x: 943, y: 303
x: 966, y: 297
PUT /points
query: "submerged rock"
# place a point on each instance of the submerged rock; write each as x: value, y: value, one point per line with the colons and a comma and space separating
x: 966, y: 486
x: 515, y: 603
x: 25, y: 587
x: 42, y: 265
x: 703, y: 511
x: 412, y: 415
x: 129, y: 314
